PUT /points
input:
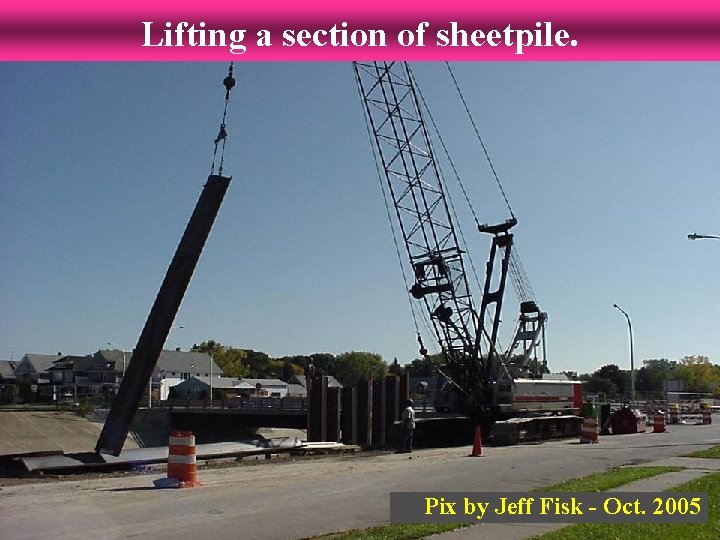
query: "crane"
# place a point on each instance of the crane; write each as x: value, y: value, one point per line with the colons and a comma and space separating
x: 486, y: 382
x: 414, y: 183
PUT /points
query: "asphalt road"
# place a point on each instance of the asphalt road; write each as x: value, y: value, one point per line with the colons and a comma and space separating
x: 309, y: 497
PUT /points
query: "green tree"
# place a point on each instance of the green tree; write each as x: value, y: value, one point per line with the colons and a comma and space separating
x: 395, y: 368
x: 425, y: 367
x: 597, y: 385
x: 231, y: 361
x: 698, y: 373
x: 294, y: 365
x: 620, y: 378
x: 354, y: 366
x: 325, y: 363
x: 258, y: 364
x: 652, y: 376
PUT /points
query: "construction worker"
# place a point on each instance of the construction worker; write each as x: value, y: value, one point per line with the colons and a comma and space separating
x: 407, y: 427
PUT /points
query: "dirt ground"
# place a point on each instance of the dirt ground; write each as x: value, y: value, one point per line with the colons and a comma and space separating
x: 48, y: 431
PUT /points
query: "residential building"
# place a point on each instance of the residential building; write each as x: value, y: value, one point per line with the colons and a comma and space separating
x: 171, y: 369
x: 263, y: 388
x: 199, y: 388
x: 33, y: 368
x: 67, y: 373
x: 8, y: 389
x: 7, y: 371
x: 33, y: 377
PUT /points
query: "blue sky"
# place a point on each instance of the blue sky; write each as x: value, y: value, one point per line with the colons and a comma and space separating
x: 608, y: 167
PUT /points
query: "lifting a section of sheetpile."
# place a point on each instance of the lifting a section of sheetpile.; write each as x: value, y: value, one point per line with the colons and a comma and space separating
x: 502, y: 389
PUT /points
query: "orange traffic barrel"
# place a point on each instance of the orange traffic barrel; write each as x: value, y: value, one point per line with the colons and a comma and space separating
x: 659, y: 422
x: 589, y: 433
x: 182, y: 465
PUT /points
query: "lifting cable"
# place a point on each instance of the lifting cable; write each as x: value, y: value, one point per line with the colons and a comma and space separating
x: 479, y: 138
x: 457, y: 178
x: 456, y: 174
x: 520, y: 281
x: 228, y: 83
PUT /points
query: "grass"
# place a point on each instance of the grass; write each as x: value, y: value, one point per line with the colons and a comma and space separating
x: 646, y: 531
x: 594, y: 482
x: 609, y: 479
x: 713, y: 453
x: 409, y: 531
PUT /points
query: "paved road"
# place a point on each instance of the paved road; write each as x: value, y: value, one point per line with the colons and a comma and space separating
x: 308, y: 497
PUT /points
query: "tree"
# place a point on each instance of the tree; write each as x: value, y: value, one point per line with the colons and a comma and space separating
x: 395, y: 368
x: 354, y: 366
x: 597, y: 385
x: 231, y: 361
x: 699, y: 374
x: 652, y: 376
x: 613, y: 373
x: 258, y: 364
x: 324, y: 363
x: 425, y: 367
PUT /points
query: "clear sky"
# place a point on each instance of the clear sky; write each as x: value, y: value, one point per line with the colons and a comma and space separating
x: 608, y: 167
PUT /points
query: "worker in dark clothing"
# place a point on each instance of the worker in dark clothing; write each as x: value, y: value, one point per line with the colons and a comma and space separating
x: 406, y: 429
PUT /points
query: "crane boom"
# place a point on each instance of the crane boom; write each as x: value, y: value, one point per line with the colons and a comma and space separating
x: 411, y: 173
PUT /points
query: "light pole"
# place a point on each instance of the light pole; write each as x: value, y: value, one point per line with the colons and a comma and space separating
x: 632, y: 358
x: 695, y: 236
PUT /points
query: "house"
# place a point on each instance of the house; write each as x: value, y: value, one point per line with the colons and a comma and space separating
x: 8, y: 389
x: 32, y: 375
x: 296, y: 390
x: 263, y: 388
x: 172, y: 368
x: 198, y: 387
x: 75, y: 377
x: 7, y: 371
x: 33, y: 368
x: 302, y: 380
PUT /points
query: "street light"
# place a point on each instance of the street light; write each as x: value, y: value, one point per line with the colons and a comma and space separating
x: 632, y: 359
x: 695, y: 236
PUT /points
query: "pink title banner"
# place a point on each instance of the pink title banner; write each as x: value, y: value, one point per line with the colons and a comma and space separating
x: 278, y: 30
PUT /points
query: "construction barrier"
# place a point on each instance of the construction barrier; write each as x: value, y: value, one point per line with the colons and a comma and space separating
x: 659, y: 422
x: 674, y: 414
x: 589, y: 433
x: 707, y: 417
x: 690, y: 406
x: 181, y: 459
x: 654, y: 406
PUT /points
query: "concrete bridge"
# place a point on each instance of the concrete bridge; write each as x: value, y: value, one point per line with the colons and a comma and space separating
x: 219, y: 420
x: 287, y: 406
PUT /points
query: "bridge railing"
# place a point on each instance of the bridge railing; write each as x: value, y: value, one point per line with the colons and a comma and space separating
x: 286, y: 404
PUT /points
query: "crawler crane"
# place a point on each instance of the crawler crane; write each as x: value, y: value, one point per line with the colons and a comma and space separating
x: 504, y: 389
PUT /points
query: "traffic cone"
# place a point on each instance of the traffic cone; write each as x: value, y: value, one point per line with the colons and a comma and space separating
x: 477, y: 443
